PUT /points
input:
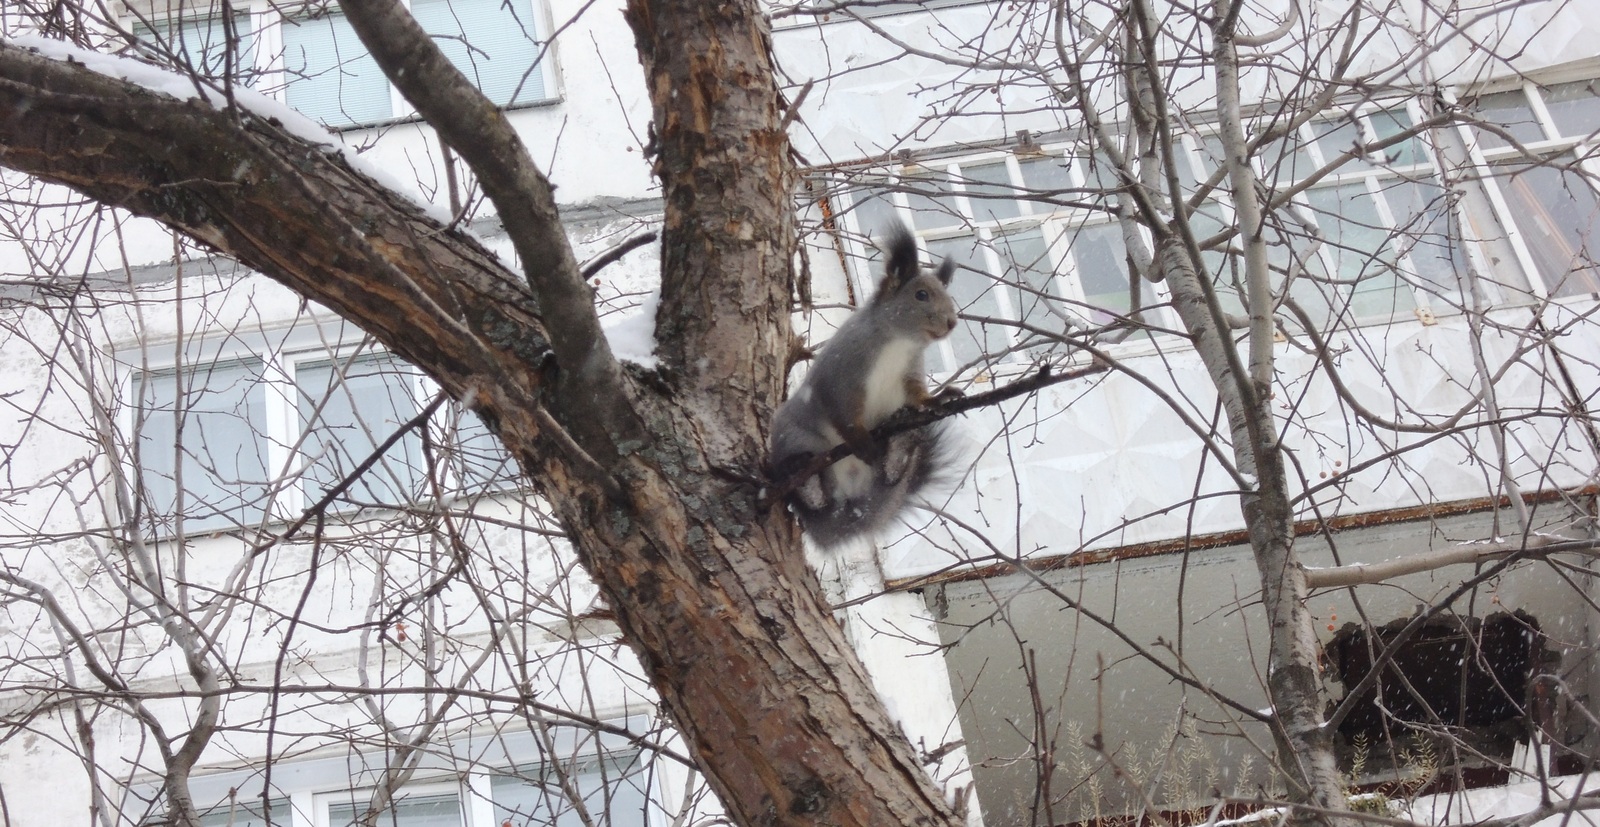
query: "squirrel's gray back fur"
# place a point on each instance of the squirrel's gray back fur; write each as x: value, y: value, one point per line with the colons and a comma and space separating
x: 872, y: 367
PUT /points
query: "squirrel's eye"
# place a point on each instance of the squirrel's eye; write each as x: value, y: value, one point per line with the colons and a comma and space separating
x: 922, y: 295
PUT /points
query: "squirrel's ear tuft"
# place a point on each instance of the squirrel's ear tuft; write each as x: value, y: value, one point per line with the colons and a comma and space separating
x: 946, y: 271
x: 900, y: 264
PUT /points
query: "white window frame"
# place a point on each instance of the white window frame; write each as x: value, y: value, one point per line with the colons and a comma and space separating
x: 1486, y: 159
x: 309, y: 786
x: 1058, y: 228
x: 281, y: 355
x: 322, y: 803
x: 267, y: 19
x: 1372, y: 175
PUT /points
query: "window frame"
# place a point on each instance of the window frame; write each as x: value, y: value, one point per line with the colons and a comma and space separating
x: 1487, y: 163
x: 267, y: 21
x: 1377, y: 178
x: 305, y: 788
x: 285, y: 437
x: 1057, y: 225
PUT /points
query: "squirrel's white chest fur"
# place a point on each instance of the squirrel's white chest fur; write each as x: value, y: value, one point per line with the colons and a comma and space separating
x: 885, y: 382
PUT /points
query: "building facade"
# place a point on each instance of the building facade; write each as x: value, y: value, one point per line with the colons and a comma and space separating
x: 229, y: 511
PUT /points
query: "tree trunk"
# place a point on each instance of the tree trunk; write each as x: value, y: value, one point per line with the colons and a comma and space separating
x: 662, y: 500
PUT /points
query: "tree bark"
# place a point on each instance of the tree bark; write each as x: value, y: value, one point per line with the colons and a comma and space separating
x: 661, y: 498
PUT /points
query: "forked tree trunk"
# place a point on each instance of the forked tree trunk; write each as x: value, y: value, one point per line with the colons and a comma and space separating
x: 660, y: 491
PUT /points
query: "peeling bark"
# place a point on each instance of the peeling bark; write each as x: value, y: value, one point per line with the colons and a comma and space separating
x: 661, y: 502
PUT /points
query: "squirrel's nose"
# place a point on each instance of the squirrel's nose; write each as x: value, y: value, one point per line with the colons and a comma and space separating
x: 952, y: 325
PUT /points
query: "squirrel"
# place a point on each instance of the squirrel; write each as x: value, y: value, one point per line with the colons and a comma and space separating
x: 871, y: 368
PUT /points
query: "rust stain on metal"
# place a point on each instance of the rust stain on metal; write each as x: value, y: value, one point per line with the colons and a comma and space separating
x: 1200, y: 542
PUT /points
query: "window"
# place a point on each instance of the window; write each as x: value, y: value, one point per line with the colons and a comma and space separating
x: 329, y: 76
x: 220, y: 434
x: 347, y: 408
x: 612, y: 792
x: 487, y: 780
x: 324, y: 72
x: 201, y: 45
x: 1549, y: 199
x: 199, y: 445
x: 535, y: 797
x: 246, y: 813
x: 417, y: 810
x: 1038, y: 252
x: 1370, y: 241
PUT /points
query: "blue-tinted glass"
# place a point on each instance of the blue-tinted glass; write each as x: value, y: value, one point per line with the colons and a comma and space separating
x: 206, y: 425
x: 1335, y: 138
x: 930, y: 197
x: 1426, y: 233
x: 201, y: 45
x: 990, y: 192
x: 411, y: 811
x: 1102, y: 269
x: 346, y: 419
x: 1559, y: 218
x: 536, y: 798
x: 1510, y: 113
x: 1575, y: 108
x: 1050, y: 180
x: 1357, y: 245
x: 1390, y: 122
x: 493, y: 42
x: 1031, y: 275
x: 331, y: 78
x: 247, y: 813
x: 976, y: 293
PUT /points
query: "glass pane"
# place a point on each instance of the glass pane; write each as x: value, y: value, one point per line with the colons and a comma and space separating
x: 976, y: 293
x: 355, y: 416
x: 331, y: 78
x: 1285, y: 159
x: 504, y: 44
x: 1390, y: 122
x: 874, y: 211
x: 990, y: 192
x: 201, y: 44
x: 411, y: 811
x: 1292, y: 258
x: 1357, y: 246
x: 1051, y: 180
x: 1335, y: 138
x: 246, y: 814
x: 219, y: 431
x: 1426, y: 234
x: 1575, y: 108
x: 928, y: 195
x: 1509, y: 111
x: 1031, y: 279
x: 1102, y: 270
x: 1559, y: 217
x: 481, y: 459
x: 1205, y: 223
x: 535, y: 797
x: 1210, y: 155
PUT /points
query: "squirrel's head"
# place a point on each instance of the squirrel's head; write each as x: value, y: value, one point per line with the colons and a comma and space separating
x: 910, y: 298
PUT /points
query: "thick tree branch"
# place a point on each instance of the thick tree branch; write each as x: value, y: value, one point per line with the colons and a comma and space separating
x: 589, y: 396
x: 1366, y: 574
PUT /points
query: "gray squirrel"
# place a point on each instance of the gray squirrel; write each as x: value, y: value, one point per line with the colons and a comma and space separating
x: 871, y: 368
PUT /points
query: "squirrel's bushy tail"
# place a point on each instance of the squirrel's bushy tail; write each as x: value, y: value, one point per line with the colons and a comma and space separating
x: 911, y: 463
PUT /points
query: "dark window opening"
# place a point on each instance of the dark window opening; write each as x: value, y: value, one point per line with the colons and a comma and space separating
x: 1468, y: 675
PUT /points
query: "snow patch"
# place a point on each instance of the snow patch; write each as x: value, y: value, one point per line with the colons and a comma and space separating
x: 182, y: 87
x: 633, y: 337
